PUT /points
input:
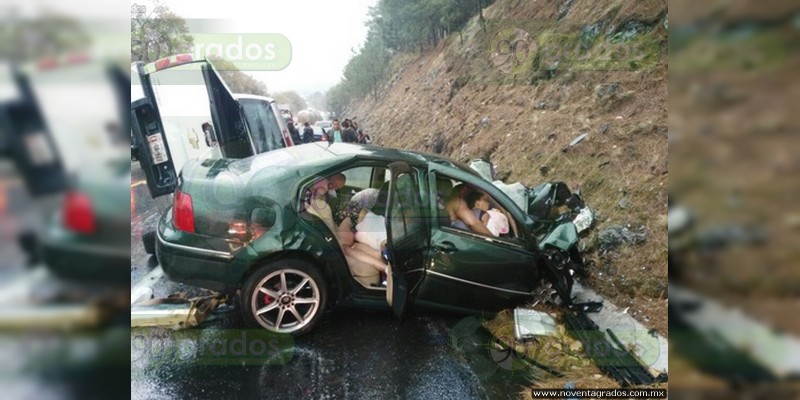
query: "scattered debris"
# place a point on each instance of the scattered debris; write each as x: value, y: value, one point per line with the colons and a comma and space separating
x: 483, y: 168
x: 530, y: 324
x: 615, y: 236
x: 578, y: 139
x: 715, y: 332
x: 36, y: 299
x: 51, y: 316
x: 175, y: 312
x: 624, y: 348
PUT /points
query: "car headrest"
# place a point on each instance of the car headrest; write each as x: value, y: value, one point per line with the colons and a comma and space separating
x: 443, y: 186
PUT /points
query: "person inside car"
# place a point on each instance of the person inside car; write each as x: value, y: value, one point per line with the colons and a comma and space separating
x: 364, y: 261
x: 493, y: 219
x: 461, y: 215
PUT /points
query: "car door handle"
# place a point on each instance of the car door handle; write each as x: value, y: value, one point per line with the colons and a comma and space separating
x: 445, y: 247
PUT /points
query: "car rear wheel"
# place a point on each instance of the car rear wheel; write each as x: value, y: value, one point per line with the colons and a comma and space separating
x: 286, y: 296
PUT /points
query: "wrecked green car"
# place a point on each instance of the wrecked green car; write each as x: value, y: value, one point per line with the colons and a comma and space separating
x: 248, y: 225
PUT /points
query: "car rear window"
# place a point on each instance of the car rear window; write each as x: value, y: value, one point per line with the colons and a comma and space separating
x: 358, y: 178
x: 264, y: 127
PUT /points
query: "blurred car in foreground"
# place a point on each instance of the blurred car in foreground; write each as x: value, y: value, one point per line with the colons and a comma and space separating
x: 75, y: 155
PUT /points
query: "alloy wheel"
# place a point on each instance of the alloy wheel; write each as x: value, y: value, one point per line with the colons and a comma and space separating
x: 285, y: 301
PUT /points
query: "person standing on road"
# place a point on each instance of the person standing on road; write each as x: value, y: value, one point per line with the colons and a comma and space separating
x: 363, y: 138
x: 308, y: 133
x: 335, y: 134
x: 294, y: 133
x: 349, y: 134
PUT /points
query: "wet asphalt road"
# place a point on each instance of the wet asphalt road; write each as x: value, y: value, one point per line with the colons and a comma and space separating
x: 351, y: 354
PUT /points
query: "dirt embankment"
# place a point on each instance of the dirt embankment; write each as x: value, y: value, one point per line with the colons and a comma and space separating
x: 579, y: 67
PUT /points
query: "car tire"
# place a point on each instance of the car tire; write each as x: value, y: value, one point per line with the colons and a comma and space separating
x: 149, y: 242
x: 263, y: 292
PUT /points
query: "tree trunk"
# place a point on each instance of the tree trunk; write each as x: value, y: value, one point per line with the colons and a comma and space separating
x: 480, y: 15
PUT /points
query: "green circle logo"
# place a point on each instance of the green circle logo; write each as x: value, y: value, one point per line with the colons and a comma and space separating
x: 512, y: 51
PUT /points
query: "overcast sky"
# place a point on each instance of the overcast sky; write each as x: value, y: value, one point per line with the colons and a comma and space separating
x: 321, y: 32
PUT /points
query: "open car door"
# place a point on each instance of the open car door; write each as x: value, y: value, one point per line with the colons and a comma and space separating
x: 25, y: 137
x: 154, y: 154
x: 226, y: 112
x: 408, y: 238
x: 186, y: 112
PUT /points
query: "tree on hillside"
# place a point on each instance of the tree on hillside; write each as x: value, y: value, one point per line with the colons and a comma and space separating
x: 406, y: 25
x: 317, y: 100
x: 366, y: 70
x: 238, y: 81
x: 338, y: 98
x: 397, y: 26
x: 158, y: 33
x: 294, y: 100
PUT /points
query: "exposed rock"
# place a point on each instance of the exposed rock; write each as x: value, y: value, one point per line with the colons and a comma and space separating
x: 544, y: 169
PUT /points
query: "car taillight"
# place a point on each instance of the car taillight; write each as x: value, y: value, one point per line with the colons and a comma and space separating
x: 245, y: 232
x: 183, y: 212
x: 168, y: 62
x: 287, y: 138
x: 78, y: 213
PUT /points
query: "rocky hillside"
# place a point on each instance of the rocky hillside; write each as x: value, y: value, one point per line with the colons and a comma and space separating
x: 579, y: 68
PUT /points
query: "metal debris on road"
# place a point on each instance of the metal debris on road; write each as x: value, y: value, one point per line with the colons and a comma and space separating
x: 529, y: 324
x: 175, y: 312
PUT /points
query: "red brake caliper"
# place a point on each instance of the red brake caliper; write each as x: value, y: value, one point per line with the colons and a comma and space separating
x: 267, y: 299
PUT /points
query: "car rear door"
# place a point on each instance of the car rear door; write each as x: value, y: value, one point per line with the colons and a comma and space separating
x: 226, y: 112
x: 408, y: 237
x: 26, y: 138
x: 186, y: 113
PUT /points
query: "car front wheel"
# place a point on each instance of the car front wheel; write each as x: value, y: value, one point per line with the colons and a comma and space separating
x: 287, y: 296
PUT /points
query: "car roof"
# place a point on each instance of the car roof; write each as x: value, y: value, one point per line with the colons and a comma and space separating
x: 322, y: 154
x: 240, y: 96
